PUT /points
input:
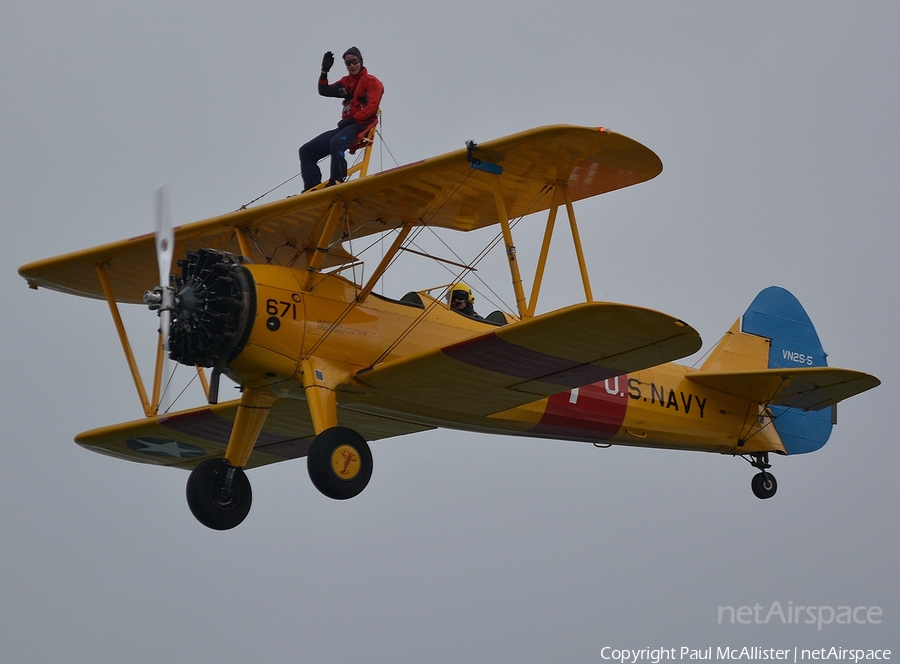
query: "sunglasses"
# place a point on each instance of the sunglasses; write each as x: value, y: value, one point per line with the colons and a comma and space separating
x: 351, y: 63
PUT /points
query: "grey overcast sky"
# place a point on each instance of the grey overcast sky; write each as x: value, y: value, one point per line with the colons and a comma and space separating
x: 777, y: 126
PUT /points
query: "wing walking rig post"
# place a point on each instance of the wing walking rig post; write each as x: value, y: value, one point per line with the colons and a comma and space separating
x: 324, y: 364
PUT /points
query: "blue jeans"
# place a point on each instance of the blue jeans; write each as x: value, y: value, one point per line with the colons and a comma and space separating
x: 333, y: 142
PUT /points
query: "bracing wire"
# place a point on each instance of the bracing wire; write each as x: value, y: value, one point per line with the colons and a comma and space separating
x: 352, y: 304
x: 246, y: 205
x: 382, y: 146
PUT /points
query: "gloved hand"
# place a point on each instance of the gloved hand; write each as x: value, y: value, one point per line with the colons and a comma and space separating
x: 346, y: 122
x: 327, y: 61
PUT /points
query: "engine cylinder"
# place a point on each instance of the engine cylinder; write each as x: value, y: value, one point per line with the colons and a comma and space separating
x: 215, y: 305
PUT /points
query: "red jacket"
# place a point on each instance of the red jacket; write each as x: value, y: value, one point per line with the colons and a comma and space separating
x: 361, y: 94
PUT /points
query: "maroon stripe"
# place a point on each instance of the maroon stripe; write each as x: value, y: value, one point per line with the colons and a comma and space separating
x: 210, y: 427
x: 494, y: 354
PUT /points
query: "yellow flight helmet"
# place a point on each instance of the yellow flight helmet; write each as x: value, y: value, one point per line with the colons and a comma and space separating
x: 461, y: 287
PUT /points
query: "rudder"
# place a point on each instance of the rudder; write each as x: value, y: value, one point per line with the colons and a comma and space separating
x: 778, y: 316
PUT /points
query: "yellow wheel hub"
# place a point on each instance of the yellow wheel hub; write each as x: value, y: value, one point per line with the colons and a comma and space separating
x: 345, y: 462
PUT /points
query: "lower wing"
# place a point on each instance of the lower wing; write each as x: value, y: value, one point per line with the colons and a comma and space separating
x: 522, y: 362
x: 185, y: 438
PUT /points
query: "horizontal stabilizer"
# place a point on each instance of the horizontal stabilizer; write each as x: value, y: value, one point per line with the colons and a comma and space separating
x: 528, y: 360
x: 812, y: 388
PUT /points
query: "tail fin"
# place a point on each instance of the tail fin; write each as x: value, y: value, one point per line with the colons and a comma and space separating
x: 777, y: 314
x: 773, y: 350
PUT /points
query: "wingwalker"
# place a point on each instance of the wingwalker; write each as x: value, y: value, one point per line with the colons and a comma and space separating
x: 324, y: 364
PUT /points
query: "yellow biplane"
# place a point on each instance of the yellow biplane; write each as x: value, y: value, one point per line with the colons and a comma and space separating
x: 325, y: 364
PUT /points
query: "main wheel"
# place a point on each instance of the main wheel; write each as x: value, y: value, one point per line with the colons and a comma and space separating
x: 339, y: 463
x: 764, y: 485
x: 214, y: 504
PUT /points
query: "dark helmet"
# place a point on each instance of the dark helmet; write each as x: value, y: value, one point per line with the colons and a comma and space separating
x: 353, y: 51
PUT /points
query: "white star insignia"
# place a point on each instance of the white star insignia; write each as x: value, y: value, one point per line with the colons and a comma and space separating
x: 163, y: 447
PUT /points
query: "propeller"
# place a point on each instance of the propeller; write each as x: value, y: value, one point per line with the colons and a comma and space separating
x: 162, y: 298
x: 165, y: 250
x: 206, y: 312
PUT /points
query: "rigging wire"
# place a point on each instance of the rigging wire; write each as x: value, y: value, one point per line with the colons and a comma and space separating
x: 469, y: 268
x: 386, y: 147
x: 711, y: 349
x: 490, y: 247
x: 383, y: 146
x: 183, y: 390
x: 770, y: 416
x: 350, y: 305
x: 348, y: 236
x: 246, y: 205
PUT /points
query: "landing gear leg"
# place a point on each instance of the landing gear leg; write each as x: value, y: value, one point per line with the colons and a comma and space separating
x: 339, y: 459
x: 763, y: 483
x: 218, y: 494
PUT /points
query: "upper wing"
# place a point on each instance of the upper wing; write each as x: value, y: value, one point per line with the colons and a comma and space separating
x: 811, y: 388
x: 443, y: 191
x: 522, y: 362
x: 184, y: 439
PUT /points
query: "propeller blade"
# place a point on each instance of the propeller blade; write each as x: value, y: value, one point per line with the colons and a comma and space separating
x: 165, y: 235
x: 165, y: 250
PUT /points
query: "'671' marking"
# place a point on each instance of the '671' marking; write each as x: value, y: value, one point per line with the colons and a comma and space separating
x: 281, y: 308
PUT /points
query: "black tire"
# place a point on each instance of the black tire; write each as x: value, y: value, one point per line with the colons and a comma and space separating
x: 339, y: 463
x: 764, y: 485
x: 208, y: 499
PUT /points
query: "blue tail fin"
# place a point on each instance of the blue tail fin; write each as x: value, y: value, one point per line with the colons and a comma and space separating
x: 779, y: 316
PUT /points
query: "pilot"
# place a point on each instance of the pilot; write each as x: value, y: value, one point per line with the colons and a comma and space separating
x: 361, y: 93
x: 461, y: 299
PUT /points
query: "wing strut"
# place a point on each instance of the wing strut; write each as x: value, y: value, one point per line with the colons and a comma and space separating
x: 150, y: 405
x: 561, y: 189
x: 385, y: 262
x: 576, y: 238
x: 315, y: 261
x: 503, y: 218
x: 243, y: 242
x: 545, y: 248
x: 126, y: 345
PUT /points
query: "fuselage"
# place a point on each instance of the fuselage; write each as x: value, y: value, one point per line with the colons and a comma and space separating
x: 655, y: 407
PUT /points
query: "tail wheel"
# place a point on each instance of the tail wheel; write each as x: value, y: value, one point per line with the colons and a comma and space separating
x: 764, y: 485
x: 339, y: 463
x: 218, y: 502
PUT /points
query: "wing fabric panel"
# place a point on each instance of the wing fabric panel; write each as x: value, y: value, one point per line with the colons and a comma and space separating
x: 443, y: 191
x: 505, y: 357
x: 525, y: 361
x: 811, y: 388
x: 184, y: 439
